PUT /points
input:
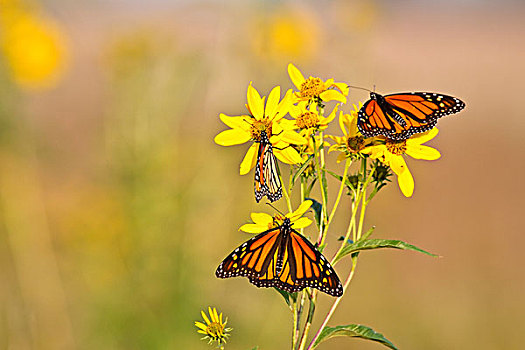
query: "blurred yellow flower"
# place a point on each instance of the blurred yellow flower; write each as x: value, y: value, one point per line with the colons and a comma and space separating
x: 391, y: 153
x: 263, y: 118
x: 316, y: 89
x: 352, y: 143
x: 34, y: 47
x: 287, y: 34
x: 263, y: 221
x: 213, y: 330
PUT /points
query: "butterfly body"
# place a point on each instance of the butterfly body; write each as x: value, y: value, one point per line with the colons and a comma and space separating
x: 267, y: 181
x: 399, y: 116
x: 281, y: 257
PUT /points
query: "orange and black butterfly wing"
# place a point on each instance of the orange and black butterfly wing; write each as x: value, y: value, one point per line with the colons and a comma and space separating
x: 374, y: 120
x: 254, y: 257
x: 309, y: 268
x: 267, y: 182
x: 281, y: 258
x: 399, y: 116
x: 281, y: 271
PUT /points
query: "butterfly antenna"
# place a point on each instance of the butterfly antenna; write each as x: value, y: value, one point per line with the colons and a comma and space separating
x: 360, y: 88
x: 280, y: 212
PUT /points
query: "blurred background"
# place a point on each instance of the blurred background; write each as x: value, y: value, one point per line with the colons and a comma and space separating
x: 116, y: 206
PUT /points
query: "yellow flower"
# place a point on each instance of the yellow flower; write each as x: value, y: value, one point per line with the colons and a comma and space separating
x: 34, y: 47
x: 263, y: 221
x: 352, y: 144
x: 289, y: 32
x: 267, y: 118
x: 391, y: 153
x: 213, y: 330
x: 308, y: 120
x: 316, y: 89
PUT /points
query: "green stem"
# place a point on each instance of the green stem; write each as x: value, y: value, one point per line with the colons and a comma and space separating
x: 295, y: 324
x: 323, y: 194
x: 286, y: 195
x: 311, y: 310
x: 299, y: 315
x: 335, y: 304
x: 355, y: 206
x: 336, y: 204
x: 360, y: 196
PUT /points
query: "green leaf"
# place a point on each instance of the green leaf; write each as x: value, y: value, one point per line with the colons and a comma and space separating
x: 368, y: 233
x: 255, y: 348
x: 317, y: 208
x: 376, y: 244
x: 338, y: 177
x: 302, y: 168
x: 288, y: 297
x: 353, y: 330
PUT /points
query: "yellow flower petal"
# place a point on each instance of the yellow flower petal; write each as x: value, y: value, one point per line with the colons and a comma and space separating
x: 255, y: 103
x: 240, y: 122
x: 288, y: 156
x: 200, y: 325
x: 328, y: 84
x: 332, y: 95
x: 210, y: 312
x: 262, y: 219
x: 331, y: 116
x: 293, y: 138
x: 398, y: 164
x: 352, y: 126
x: 202, y: 332
x: 422, y: 152
x: 424, y: 137
x: 205, y: 318
x: 301, y: 210
x: 284, y: 106
x: 301, y: 223
x: 252, y: 228
x: 344, y: 88
x: 406, y: 183
x: 232, y: 137
x: 273, y: 102
x: 375, y: 151
x: 342, y: 123
x: 213, y: 314
x: 296, y: 76
x: 340, y: 157
x: 249, y: 159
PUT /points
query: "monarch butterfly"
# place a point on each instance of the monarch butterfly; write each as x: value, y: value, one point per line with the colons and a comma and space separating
x: 281, y: 257
x: 398, y: 116
x: 267, y: 182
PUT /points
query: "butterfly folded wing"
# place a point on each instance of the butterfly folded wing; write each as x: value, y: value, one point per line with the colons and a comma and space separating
x: 267, y: 181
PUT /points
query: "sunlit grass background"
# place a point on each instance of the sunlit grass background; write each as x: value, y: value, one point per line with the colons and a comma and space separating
x: 116, y: 206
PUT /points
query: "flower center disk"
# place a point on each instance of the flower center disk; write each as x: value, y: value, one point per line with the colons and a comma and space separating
x: 396, y: 147
x: 307, y: 120
x: 214, y: 329
x: 312, y: 87
x: 258, y: 127
x: 355, y: 144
